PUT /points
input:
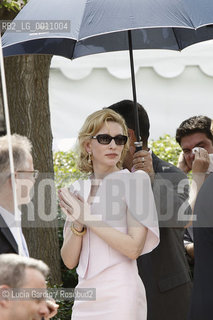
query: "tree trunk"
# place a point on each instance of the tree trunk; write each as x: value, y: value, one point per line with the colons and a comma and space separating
x: 27, y: 86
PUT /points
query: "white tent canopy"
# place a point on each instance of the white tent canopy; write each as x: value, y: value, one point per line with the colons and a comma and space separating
x: 171, y: 85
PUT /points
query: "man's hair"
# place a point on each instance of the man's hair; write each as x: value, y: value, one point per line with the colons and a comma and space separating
x: 126, y: 109
x: 21, y: 146
x: 13, y: 266
x: 193, y: 125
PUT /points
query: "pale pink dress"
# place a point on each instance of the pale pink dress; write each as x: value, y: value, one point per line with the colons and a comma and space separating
x: 120, y: 293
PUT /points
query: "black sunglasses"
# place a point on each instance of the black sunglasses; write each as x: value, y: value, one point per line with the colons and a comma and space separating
x: 120, y: 139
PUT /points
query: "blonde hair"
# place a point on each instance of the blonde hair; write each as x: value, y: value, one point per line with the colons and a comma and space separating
x: 91, y: 126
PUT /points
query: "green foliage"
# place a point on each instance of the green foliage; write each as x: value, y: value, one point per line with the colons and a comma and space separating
x: 66, y: 171
x: 14, y: 5
x: 65, y: 306
x: 166, y: 148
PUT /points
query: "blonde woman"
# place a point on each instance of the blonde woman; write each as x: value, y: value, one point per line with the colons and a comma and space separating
x: 109, y: 223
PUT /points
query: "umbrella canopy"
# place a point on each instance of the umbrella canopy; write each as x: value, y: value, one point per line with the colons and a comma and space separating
x: 75, y: 28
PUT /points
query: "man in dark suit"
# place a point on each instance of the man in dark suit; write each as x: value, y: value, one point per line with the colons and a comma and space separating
x: 196, y: 140
x: 202, y: 298
x: 165, y: 271
x: 7, y: 242
x: 11, y: 237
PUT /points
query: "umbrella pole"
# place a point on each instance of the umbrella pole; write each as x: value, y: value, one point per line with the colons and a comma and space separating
x: 138, y: 143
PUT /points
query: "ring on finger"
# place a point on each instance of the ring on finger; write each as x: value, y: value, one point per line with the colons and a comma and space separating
x: 143, y: 160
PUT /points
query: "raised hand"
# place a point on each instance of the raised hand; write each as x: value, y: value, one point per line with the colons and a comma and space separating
x: 142, y: 160
x: 73, y: 205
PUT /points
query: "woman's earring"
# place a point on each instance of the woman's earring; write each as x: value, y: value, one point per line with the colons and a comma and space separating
x: 119, y: 164
x: 89, y: 158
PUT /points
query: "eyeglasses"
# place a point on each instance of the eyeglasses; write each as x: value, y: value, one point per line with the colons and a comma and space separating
x: 120, y: 139
x: 34, y: 173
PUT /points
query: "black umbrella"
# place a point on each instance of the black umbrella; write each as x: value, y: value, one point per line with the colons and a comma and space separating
x: 75, y: 28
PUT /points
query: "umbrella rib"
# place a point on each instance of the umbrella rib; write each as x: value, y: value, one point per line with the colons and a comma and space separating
x: 176, y: 38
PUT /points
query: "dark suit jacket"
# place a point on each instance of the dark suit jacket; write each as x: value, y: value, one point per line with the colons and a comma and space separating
x: 202, y: 297
x: 7, y: 241
x: 165, y: 271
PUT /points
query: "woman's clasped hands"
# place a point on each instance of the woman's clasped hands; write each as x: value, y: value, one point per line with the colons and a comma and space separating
x: 73, y: 205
